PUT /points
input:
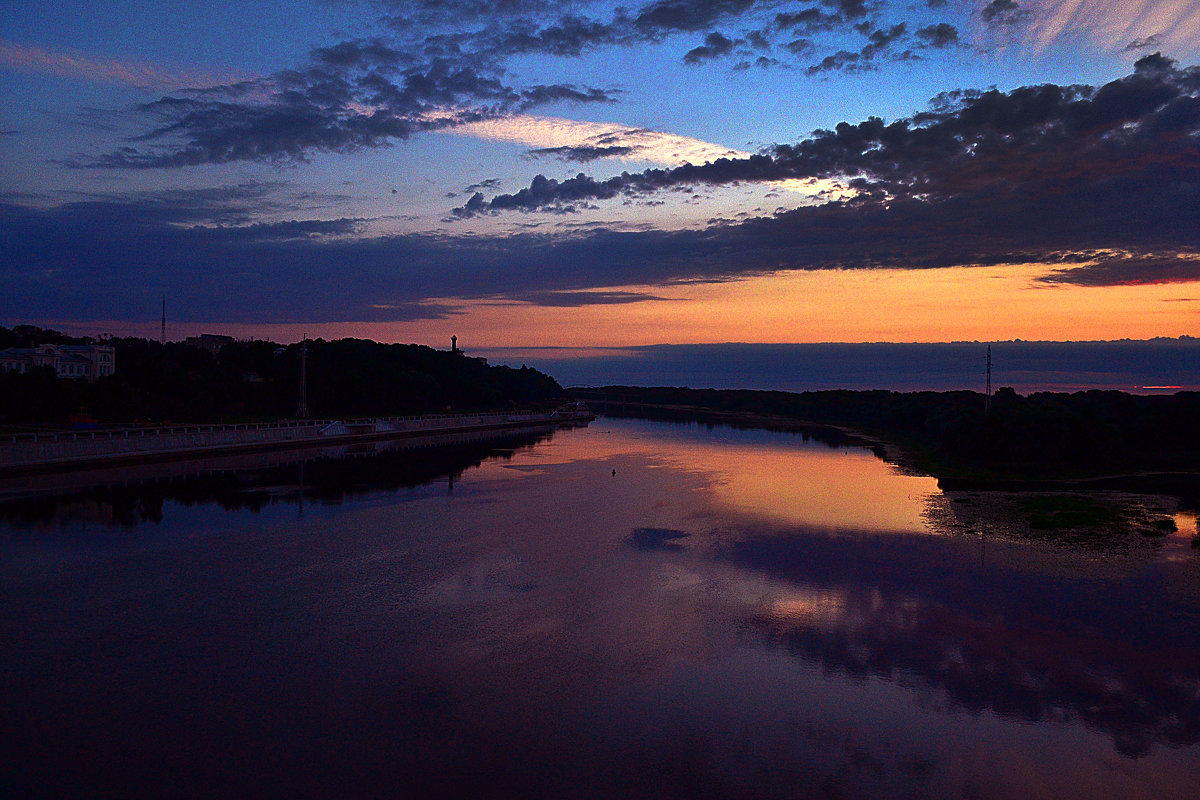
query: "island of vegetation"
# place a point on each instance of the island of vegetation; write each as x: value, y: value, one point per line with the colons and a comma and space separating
x: 259, y: 380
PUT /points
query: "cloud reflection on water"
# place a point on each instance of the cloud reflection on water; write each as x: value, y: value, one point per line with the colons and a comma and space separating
x: 550, y: 628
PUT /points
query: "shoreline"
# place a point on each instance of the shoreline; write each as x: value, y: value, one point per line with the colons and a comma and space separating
x: 1127, y: 511
x: 1178, y: 483
x: 188, y: 442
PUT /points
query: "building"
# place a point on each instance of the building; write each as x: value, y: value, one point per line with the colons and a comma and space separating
x: 454, y: 349
x: 77, y: 361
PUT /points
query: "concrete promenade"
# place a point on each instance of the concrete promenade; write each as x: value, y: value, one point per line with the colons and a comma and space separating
x: 31, y: 453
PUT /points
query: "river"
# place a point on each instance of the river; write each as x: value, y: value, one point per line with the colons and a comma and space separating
x: 628, y: 609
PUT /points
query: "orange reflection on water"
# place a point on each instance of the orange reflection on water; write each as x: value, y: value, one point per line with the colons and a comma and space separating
x: 807, y: 607
x: 846, y: 489
x: 782, y: 480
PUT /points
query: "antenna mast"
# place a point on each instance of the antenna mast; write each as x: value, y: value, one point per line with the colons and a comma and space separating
x: 162, y: 332
x: 988, y: 402
x: 302, y: 409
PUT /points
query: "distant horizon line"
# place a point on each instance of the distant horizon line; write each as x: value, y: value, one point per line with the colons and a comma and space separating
x: 75, y: 329
x: 631, y: 347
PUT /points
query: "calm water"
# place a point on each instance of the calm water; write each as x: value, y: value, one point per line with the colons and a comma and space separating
x: 731, y: 614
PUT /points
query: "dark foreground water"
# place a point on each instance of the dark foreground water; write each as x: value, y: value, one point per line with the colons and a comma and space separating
x: 730, y: 614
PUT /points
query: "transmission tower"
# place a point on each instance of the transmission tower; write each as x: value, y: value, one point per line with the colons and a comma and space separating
x: 302, y: 409
x: 987, y: 405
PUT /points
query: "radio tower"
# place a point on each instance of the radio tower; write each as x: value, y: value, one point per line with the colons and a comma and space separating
x: 162, y: 332
x: 987, y: 405
x: 302, y: 409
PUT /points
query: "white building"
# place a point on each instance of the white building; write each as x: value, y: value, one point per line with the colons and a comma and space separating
x: 82, y: 361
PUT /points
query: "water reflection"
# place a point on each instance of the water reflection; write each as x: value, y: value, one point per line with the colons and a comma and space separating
x: 656, y: 539
x: 781, y: 477
x: 634, y: 609
x: 130, y: 496
x: 1116, y: 650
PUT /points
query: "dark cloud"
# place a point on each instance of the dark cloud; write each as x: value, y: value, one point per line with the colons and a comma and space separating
x: 1156, y: 64
x: 474, y: 205
x: 939, y: 35
x: 800, y: 47
x: 762, y: 62
x: 560, y: 30
x: 563, y: 299
x: 295, y: 229
x: 715, y: 45
x: 967, y: 141
x: 236, y: 205
x: 410, y: 312
x: 1003, y: 12
x: 841, y: 61
x: 585, y: 153
x: 436, y: 10
x: 809, y: 21
x: 574, y: 29
x: 359, y: 53
x: 65, y: 261
x: 191, y: 245
x: 850, y: 9
x: 1059, y: 173
x: 444, y: 64
x: 541, y: 193
x: 201, y: 131
x: 1103, y: 183
x: 1144, y: 44
x: 879, y: 42
x: 490, y: 183
x: 557, y: 93
x: 569, y: 36
x: 354, y: 95
x: 687, y: 15
x: 758, y: 40
x: 1129, y: 270
x: 881, y: 39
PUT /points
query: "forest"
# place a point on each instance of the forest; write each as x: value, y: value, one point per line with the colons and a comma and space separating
x: 957, y: 435
x: 260, y: 380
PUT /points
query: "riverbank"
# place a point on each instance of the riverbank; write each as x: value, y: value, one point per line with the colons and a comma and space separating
x: 1081, y: 441
x: 825, y: 432
x: 42, y: 453
x: 1097, y: 511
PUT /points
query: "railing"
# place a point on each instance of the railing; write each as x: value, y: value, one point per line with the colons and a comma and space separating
x: 162, y: 430
x: 177, y: 430
x: 68, y: 446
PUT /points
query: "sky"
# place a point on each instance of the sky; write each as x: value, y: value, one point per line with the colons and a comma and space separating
x: 596, y: 175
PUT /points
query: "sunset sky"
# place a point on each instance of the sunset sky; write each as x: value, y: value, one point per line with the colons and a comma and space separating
x: 590, y: 174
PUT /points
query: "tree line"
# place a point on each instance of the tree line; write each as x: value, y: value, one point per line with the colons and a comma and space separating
x: 257, y: 380
x: 1041, y: 435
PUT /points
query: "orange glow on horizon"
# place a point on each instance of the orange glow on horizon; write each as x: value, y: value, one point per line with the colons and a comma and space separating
x: 938, y: 305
